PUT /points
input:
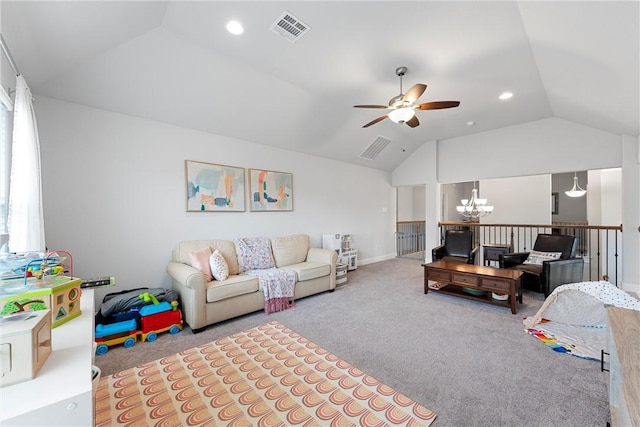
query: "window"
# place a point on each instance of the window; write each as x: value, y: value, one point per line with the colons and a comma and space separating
x: 6, y: 126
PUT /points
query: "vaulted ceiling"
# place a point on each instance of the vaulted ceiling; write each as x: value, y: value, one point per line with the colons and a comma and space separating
x: 174, y: 62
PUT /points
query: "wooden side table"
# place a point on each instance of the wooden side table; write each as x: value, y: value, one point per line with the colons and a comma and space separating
x: 492, y: 252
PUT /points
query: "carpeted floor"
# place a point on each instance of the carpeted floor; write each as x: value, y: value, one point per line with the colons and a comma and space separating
x: 471, y: 363
x: 268, y: 375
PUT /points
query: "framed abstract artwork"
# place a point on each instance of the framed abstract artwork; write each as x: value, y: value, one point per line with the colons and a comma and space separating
x: 270, y: 190
x: 214, y: 188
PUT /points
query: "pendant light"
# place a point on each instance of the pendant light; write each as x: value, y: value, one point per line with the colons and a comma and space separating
x: 576, y: 191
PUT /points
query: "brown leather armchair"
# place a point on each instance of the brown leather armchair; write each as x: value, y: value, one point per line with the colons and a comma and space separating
x: 551, y: 274
x: 457, y: 247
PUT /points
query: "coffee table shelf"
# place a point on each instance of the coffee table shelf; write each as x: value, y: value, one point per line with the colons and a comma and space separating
x: 455, y: 277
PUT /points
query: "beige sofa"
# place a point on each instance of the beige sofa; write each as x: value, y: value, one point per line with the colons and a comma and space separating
x: 205, y: 303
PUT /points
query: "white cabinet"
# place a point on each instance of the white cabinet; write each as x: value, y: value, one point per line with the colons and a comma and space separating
x: 350, y: 258
x: 332, y: 241
x: 61, y: 393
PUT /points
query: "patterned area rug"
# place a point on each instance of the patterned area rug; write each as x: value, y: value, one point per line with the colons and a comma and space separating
x: 267, y: 375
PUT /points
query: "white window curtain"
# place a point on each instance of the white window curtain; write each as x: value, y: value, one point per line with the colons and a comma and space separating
x: 26, y: 219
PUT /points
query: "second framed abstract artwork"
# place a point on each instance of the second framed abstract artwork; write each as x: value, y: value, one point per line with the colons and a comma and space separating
x: 270, y: 190
x: 214, y: 188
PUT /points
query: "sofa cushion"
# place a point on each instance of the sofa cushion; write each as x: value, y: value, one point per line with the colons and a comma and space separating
x: 254, y: 253
x: 232, y: 287
x: 309, y: 270
x: 200, y: 260
x: 219, y: 267
x: 290, y: 249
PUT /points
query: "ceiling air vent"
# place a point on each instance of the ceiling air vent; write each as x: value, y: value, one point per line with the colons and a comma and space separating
x: 372, y: 151
x: 289, y: 27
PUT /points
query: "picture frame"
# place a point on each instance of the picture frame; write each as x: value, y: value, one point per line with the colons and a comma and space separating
x: 554, y: 203
x: 270, y: 191
x: 213, y: 187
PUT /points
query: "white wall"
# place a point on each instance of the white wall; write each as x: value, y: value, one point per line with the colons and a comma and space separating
x: 410, y: 203
x: 114, y: 194
x: 518, y: 200
x: 405, y: 203
x: 611, y: 197
x: 540, y: 147
x: 418, y: 203
x: 631, y: 212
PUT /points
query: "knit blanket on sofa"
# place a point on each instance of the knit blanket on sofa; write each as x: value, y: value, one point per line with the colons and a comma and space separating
x: 255, y: 258
x: 278, y: 286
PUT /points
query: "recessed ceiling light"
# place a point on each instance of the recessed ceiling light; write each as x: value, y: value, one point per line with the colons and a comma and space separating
x: 234, y: 27
x: 471, y: 123
x: 505, y: 95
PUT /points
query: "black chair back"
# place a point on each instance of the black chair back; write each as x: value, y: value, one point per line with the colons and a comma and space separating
x: 458, y: 242
x: 568, y: 245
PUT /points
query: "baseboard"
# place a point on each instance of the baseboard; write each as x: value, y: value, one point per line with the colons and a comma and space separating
x: 376, y: 259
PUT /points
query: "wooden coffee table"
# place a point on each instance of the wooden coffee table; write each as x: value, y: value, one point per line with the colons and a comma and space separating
x: 456, y: 276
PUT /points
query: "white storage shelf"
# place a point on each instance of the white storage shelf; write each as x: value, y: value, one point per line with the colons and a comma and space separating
x: 61, y: 393
x: 350, y: 258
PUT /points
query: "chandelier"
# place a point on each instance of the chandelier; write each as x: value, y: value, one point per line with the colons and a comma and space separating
x: 576, y: 191
x: 474, y: 207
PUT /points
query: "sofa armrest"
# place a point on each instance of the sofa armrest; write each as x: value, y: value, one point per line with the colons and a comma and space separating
x: 560, y: 272
x: 190, y: 284
x: 186, y: 275
x: 326, y: 256
x: 437, y: 253
x: 512, y: 259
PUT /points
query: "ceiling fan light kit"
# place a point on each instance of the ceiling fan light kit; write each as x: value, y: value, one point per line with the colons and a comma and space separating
x: 403, y: 107
x: 401, y: 115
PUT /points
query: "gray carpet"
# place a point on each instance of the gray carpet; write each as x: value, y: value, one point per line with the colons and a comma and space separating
x: 469, y: 362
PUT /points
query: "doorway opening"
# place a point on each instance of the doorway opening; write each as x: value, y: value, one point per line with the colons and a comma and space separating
x: 410, y: 222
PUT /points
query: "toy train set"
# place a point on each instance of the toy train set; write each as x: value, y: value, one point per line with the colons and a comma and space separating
x: 149, y: 321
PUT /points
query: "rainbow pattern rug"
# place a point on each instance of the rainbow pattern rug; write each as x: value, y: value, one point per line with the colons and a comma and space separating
x: 551, y: 341
x: 267, y: 375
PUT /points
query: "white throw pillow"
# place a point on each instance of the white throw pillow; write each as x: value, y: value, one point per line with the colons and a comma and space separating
x: 537, y: 257
x: 219, y: 267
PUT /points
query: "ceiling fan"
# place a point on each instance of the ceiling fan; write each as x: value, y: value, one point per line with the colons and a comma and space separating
x: 403, y: 107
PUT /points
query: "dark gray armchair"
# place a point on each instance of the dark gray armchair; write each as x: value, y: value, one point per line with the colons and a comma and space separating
x: 551, y: 274
x: 457, y: 247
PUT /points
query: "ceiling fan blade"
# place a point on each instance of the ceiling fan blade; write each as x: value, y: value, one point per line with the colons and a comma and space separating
x: 415, y: 92
x: 370, y: 106
x: 438, y: 105
x: 379, y: 119
x: 413, y: 122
